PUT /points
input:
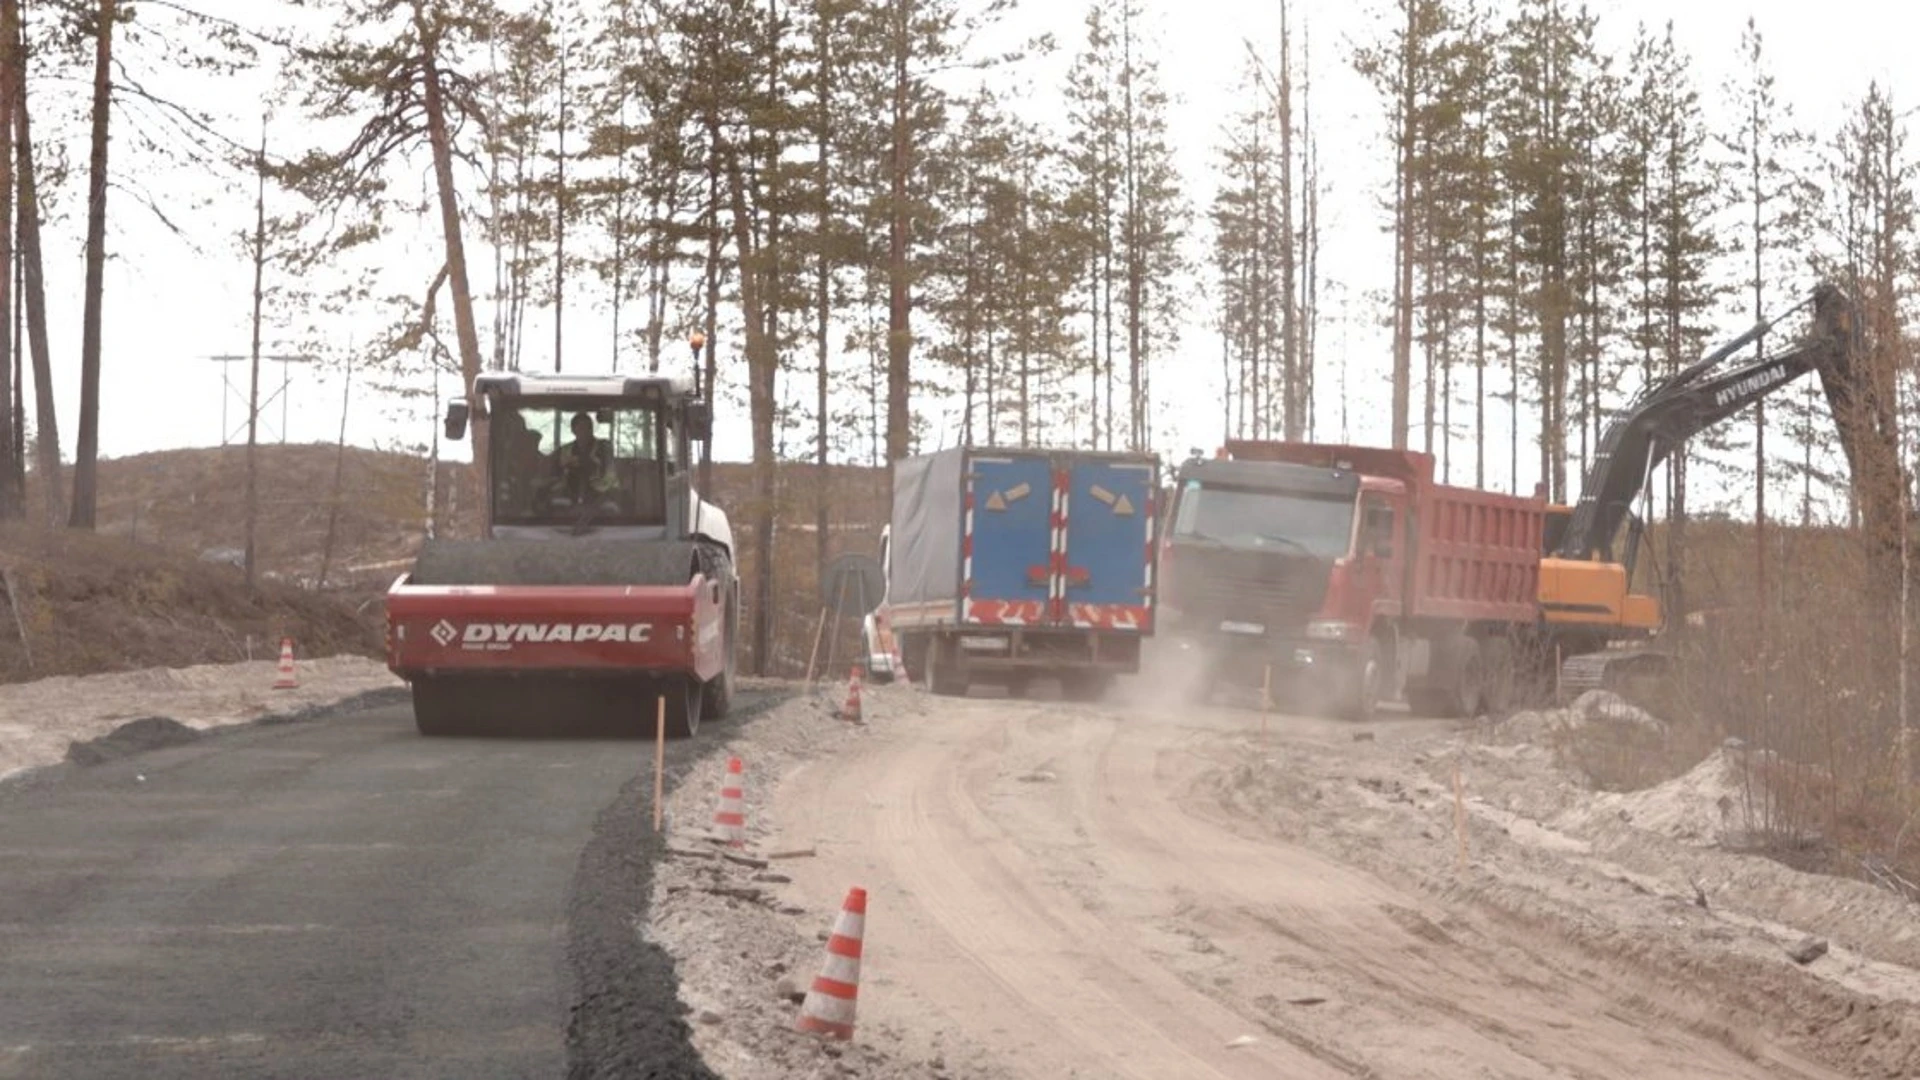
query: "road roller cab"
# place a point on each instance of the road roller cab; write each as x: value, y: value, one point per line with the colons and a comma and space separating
x: 604, y: 582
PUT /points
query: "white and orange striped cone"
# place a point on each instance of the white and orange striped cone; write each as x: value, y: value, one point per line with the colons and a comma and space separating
x: 287, y: 679
x: 851, y: 710
x: 731, y: 818
x: 829, y: 1005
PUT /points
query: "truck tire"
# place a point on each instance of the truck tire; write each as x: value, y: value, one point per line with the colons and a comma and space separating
x: 1359, y: 693
x: 946, y: 667
x: 1084, y: 685
x: 1498, y: 675
x: 683, y: 696
x: 1458, y: 690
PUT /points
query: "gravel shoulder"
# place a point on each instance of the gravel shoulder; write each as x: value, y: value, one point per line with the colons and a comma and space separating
x: 40, y: 720
x: 1128, y: 889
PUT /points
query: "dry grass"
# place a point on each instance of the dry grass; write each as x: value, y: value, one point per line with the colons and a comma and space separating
x: 160, y: 514
x: 1809, y: 684
x: 92, y: 604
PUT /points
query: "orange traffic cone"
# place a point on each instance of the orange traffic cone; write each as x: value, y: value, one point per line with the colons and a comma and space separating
x: 286, y: 679
x: 731, y: 817
x: 828, y: 1008
x: 851, y: 710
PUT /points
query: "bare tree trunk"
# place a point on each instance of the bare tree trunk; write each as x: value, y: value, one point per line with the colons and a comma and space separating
x: 713, y: 292
x: 1403, y: 240
x: 46, y: 427
x: 86, y: 452
x: 339, y: 476
x: 1292, y: 419
x: 899, y: 283
x: 822, y: 285
x: 253, y: 393
x: 13, y: 493
x: 441, y: 142
x: 762, y: 364
x: 560, y: 219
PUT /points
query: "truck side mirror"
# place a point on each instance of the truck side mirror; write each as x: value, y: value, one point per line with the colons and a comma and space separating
x: 457, y: 419
x: 699, y: 421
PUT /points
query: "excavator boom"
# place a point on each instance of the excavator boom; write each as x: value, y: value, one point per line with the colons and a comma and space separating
x: 1585, y: 591
x: 1673, y: 411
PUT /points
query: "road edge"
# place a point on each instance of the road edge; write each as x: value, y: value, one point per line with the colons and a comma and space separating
x: 116, y: 744
x: 626, y: 1019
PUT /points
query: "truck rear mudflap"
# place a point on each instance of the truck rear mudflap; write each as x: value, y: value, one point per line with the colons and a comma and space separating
x: 589, y: 630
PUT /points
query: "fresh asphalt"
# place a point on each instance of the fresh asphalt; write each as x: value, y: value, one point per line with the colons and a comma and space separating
x: 338, y: 897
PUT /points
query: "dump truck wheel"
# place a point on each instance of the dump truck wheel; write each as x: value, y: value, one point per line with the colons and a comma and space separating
x: 1085, y: 686
x: 946, y: 671
x: 1497, y: 675
x: 1466, y: 678
x: 683, y: 697
x: 1360, y: 690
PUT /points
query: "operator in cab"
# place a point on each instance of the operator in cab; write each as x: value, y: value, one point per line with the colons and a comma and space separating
x: 586, y: 464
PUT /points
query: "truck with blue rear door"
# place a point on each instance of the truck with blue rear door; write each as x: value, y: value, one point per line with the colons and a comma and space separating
x: 1006, y: 565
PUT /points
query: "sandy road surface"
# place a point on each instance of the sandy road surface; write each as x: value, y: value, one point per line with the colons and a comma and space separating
x: 1057, y: 883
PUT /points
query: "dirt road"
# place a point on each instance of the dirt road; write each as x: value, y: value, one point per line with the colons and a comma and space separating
x: 1057, y: 890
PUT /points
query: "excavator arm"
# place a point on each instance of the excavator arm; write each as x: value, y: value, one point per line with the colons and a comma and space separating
x: 1676, y: 409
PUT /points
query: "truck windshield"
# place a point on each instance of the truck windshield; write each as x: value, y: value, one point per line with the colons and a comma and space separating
x: 1320, y: 525
x: 565, y: 463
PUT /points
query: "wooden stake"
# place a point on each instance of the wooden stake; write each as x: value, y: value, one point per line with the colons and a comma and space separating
x: 813, y: 658
x: 1460, y: 813
x: 1266, y: 702
x: 20, y: 624
x: 659, y: 761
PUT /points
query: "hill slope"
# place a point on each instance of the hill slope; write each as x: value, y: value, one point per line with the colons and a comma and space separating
x: 159, y: 582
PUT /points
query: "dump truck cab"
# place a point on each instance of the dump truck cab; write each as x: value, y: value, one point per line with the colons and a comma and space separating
x: 1280, y: 563
x: 1340, y: 576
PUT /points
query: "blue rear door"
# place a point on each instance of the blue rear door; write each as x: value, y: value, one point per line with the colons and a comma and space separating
x: 1109, y: 537
x: 1010, y: 541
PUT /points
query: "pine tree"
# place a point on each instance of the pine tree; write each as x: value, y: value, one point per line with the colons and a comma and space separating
x: 401, y: 69
x: 1127, y: 193
x: 1095, y: 154
x: 1871, y: 198
x: 1677, y: 199
x: 1547, y: 56
x: 1403, y: 69
x: 1761, y: 164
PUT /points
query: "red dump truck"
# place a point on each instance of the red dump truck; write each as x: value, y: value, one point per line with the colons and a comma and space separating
x: 1346, y: 576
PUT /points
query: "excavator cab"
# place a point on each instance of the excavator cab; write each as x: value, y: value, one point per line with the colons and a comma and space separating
x: 1595, y: 592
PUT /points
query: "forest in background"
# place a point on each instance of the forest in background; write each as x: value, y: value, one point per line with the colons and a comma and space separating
x: 885, y: 241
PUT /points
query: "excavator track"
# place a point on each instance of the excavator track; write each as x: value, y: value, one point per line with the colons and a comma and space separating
x: 1627, y: 672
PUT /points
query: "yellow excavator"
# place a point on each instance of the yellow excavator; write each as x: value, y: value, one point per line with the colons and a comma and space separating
x: 1586, y: 597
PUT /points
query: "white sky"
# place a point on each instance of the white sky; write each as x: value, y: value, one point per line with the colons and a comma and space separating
x: 167, y: 308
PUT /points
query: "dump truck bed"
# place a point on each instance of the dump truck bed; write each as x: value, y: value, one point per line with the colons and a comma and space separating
x: 1476, y: 553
